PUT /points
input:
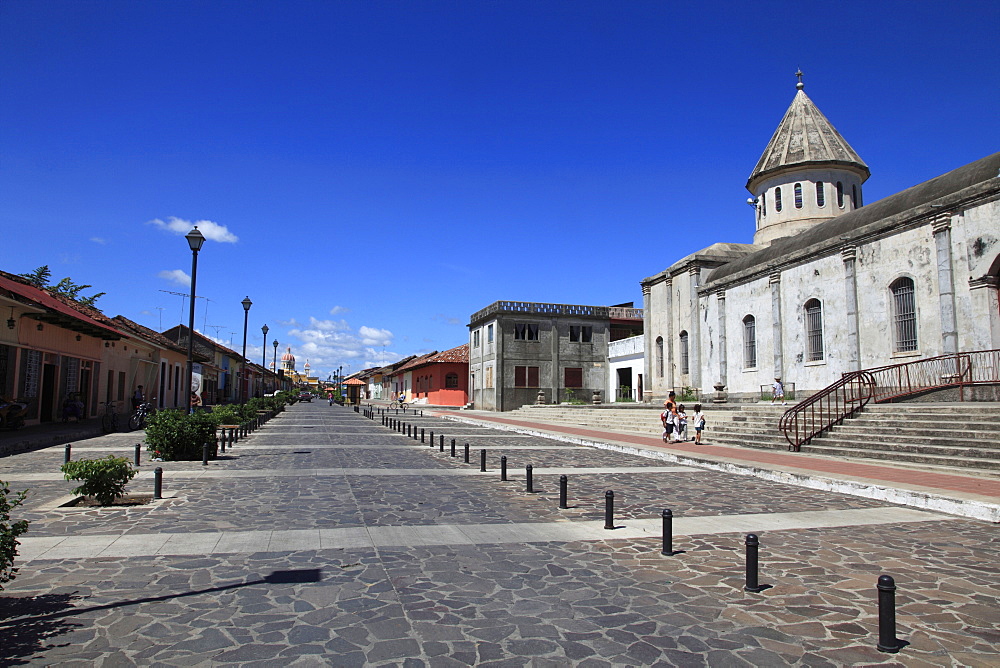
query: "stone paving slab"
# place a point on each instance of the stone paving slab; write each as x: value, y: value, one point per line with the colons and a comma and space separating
x: 542, y: 597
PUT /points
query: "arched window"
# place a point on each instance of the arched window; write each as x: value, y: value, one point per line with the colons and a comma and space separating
x: 451, y: 380
x: 814, y: 330
x: 777, y: 199
x: 798, y: 195
x: 763, y: 204
x: 820, y: 194
x: 854, y: 197
x: 659, y: 357
x: 749, y: 342
x: 840, y: 194
x: 684, y: 353
x: 904, y: 314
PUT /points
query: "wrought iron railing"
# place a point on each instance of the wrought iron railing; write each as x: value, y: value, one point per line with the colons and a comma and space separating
x: 828, y: 407
x: 849, y: 395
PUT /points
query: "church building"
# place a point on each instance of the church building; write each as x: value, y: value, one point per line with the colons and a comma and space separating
x: 829, y: 285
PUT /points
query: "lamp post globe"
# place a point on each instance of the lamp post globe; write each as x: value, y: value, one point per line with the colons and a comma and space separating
x: 195, y: 241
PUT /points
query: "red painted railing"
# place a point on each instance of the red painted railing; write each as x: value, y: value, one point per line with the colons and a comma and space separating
x: 849, y: 395
x: 828, y: 407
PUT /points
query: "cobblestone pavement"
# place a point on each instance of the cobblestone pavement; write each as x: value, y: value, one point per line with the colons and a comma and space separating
x: 502, y: 601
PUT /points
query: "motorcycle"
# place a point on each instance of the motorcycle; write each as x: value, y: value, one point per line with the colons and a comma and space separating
x: 12, y: 413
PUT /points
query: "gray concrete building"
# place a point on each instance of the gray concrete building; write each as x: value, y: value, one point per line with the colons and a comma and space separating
x: 518, y: 350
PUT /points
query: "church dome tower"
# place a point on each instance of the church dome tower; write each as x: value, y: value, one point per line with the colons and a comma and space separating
x: 288, y: 360
x: 807, y: 174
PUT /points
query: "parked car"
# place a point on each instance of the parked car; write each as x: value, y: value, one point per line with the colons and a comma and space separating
x: 305, y: 396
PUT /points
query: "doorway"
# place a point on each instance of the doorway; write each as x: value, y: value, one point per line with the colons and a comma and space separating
x: 624, y: 388
x: 46, y: 403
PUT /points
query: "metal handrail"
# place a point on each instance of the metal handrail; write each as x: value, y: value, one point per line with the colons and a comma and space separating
x: 828, y: 407
x: 849, y: 395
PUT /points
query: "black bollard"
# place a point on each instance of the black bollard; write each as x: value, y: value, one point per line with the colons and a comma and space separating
x: 204, y: 454
x: 529, y: 483
x: 452, y: 447
x: 563, y: 484
x: 222, y: 442
x: 441, y: 444
x: 668, y: 533
x: 609, y: 510
x: 752, y: 583
x: 68, y: 453
x: 138, y: 449
x: 422, y: 439
x: 432, y: 439
x: 158, y: 483
x: 503, y: 468
x: 482, y: 460
x: 466, y: 453
x: 887, y: 641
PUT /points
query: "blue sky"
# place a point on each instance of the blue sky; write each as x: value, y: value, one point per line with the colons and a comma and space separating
x: 372, y: 173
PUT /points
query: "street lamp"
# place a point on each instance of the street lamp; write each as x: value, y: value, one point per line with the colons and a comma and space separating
x: 263, y: 360
x: 275, y: 363
x: 243, y: 363
x: 195, y: 240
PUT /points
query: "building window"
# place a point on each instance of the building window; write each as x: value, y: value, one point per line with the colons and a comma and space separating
x: 573, y: 377
x: 814, y: 331
x: 451, y: 381
x: 488, y: 383
x: 684, y: 353
x: 840, y: 194
x: 820, y: 194
x: 475, y: 339
x: 659, y: 357
x: 525, y: 331
x: 489, y: 336
x: 581, y: 334
x: 854, y: 197
x: 749, y: 342
x: 904, y: 314
x: 763, y: 204
x: 777, y: 199
x: 798, y: 195
x: 526, y: 376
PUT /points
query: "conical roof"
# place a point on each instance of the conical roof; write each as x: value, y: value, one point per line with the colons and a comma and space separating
x: 805, y: 138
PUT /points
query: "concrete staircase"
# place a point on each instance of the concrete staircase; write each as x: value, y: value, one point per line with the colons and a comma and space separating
x: 923, y: 435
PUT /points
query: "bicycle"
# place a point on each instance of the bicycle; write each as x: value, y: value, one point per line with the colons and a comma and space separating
x: 398, y: 404
x: 138, y: 418
x: 109, y: 421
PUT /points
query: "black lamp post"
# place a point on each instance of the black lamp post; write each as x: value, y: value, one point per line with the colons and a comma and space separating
x: 195, y: 240
x: 263, y: 360
x: 243, y: 363
x: 275, y: 363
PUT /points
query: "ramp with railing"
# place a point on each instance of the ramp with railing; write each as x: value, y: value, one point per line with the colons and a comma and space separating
x: 849, y: 395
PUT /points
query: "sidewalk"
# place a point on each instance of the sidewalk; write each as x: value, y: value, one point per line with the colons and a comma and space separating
x: 47, y: 434
x: 959, y: 492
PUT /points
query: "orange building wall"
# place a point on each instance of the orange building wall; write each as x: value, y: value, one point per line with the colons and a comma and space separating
x: 438, y: 395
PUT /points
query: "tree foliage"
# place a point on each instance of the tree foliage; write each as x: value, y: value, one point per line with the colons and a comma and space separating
x: 41, y: 278
x: 104, y: 479
x: 9, y: 531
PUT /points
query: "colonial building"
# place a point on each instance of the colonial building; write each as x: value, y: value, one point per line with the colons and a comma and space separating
x: 440, y: 379
x: 830, y: 285
x: 518, y: 350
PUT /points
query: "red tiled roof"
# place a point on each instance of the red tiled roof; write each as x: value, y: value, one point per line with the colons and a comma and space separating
x: 457, y: 355
x: 354, y: 381
x: 61, y: 312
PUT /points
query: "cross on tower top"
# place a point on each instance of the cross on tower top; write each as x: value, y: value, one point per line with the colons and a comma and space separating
x: 799, y: 85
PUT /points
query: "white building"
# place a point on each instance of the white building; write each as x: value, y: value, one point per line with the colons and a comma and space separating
x: 829, y: 285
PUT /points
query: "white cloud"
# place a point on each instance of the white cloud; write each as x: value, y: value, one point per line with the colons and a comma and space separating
x: 99, y: 240
x: 212, y: 231
x: 337, y: 310
x: 178, y: 276
x: 371, y: 336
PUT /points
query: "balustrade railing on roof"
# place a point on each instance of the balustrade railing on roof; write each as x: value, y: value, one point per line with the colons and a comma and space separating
x: 542, y: 308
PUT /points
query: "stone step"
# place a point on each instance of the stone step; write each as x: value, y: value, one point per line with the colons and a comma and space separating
x: 891, y: 455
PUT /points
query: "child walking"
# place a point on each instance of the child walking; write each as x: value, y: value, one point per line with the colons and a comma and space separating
x: 682, y: 425
x: 779, y: 391
x: 699, y: 423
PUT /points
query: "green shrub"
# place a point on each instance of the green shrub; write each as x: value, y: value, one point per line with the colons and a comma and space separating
x: 173, y: 435
x: 227, y: 414
x: 104, y: 479
x: 9, y: 531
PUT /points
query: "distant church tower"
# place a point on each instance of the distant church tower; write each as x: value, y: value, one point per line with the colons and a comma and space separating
x: 807, y: 174
x: 288, y: 361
